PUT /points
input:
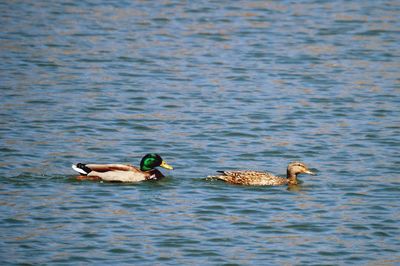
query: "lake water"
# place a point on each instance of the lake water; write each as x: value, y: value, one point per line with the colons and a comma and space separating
x: 209, y: 85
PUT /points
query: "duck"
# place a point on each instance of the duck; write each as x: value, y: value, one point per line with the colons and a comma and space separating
x: 258, y: 178
x: 123, y: 172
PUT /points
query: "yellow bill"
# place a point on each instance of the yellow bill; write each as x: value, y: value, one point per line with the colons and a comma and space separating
x: 310, y: 172
x: 166, y: 166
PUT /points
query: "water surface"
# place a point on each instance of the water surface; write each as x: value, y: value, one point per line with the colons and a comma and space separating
x: 212, y: 85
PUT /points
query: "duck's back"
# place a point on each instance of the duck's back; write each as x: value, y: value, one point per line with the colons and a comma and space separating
x: 251, y: 178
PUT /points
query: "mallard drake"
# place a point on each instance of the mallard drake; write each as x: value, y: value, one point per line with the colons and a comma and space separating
x: 122, y: 172
x: 256, y: 178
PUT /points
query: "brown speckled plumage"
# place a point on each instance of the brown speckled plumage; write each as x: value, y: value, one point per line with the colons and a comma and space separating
x: 256, y: 178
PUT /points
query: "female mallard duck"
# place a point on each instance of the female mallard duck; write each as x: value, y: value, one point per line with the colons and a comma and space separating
x: 255, y: 178
x: 122, y: 172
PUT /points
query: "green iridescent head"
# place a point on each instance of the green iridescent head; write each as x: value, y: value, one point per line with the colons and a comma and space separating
x: 153, y: 160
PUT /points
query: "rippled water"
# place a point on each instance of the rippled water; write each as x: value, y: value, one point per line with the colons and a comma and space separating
x: 211, y: 85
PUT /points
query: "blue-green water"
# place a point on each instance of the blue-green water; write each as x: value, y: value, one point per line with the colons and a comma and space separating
x: 209, y: 85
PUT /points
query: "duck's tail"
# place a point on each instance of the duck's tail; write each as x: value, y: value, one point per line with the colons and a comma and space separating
x: 217, y: 177
x: 81, y: 168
